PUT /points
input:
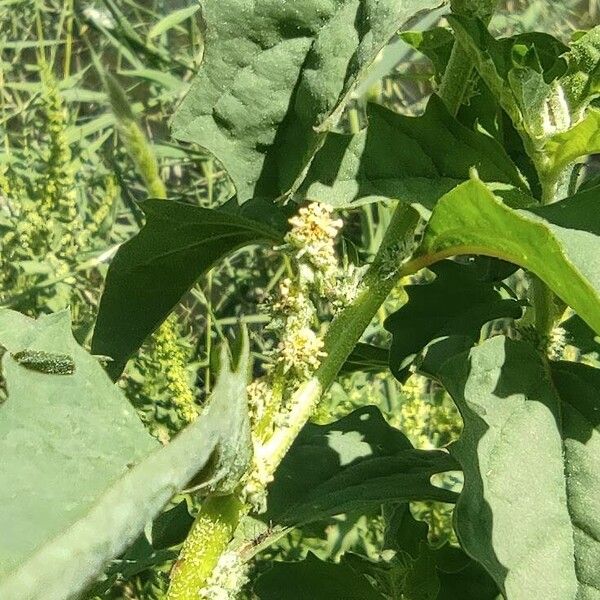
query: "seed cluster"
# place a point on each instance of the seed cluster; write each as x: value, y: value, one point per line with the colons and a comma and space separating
x: 310, y: 244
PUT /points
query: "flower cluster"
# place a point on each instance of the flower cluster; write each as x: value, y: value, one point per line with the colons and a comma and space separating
x: 227, y: 579
x: 42, y: 218
x: 171, y: 368
x: 313, y: 235
x: 312, y: 238
x: 300, y: 349
x: 557, y: 343
x: 429, y: 419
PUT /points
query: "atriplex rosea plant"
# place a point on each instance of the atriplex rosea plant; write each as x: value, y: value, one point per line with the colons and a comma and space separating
x: 489, y: 171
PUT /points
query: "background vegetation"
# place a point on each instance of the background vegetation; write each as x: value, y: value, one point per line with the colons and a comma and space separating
x: 79, y: 148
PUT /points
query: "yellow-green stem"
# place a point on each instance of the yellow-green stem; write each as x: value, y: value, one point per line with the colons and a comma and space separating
x: 544, y: 306
x: 210, y: 534
x: 343, y: 334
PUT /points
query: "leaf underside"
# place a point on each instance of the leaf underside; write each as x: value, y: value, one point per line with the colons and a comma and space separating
x: 118, y: 477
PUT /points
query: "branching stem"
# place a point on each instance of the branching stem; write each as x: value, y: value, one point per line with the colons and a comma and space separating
x: 216, y: 522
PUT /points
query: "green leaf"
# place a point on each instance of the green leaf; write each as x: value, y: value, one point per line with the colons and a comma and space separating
x: 405, y: 576
x: 353, y: 464
x: 417, y: 571
x: 152, y: 271
x: 435, y: 43
x: 470, y: 583
x: 172, y: 526
x: 579, y: 142
x: 544, y: 86
x: 172, y: 20
x: 314, y: 579
x: 579, y: 334
x: 530, y: 452
x: 456, y: 303
x: 51, y: 425
x: 559, y: 242
x: 275, y: 78
x: 80, y: 476
x: 413, y: 159
x: 228, y: 404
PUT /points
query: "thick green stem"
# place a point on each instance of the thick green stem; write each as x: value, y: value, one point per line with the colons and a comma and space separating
x: 207, y: 540
x: 458, y: 72
x: 343, y: 334
x: 218, y: 518
x: 345, y: 331
x: 544, y: 306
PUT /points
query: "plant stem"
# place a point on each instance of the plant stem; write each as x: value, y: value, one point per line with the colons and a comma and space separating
x: 344, y: 332
x: 553, y: 189
x: 456, y: 79
x: 342, y: 335
x: 210, y: 534
x: 458, y: 72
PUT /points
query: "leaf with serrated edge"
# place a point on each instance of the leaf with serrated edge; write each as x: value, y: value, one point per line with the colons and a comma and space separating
x: 274, y: 78
x: 352, y: 464
x: 530, y: 452
x: 412, y: 159
x: 558, y: 242
x: 456, y: 303
x: 151, y: 272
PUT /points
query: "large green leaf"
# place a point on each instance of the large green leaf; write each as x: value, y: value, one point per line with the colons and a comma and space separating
x: 274, y: 78
x: 413, y: 159
x: 80, y: 477
x: 559, y: 242
x: 353, y: 464
x: 456, y: 303
x: 454, y: 575
x: 530, y: 452
x: 151, y: 272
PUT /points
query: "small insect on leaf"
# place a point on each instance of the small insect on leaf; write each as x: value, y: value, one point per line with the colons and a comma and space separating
x: 52, y: 363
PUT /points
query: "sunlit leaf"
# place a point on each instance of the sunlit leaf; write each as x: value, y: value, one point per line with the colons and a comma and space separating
x: 530, y: 455
x: 275, y: 78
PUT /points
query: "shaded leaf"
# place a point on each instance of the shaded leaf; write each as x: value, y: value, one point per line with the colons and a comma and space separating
x: 275, y: 78
x: 171, y: 527
x: 435, y: 43
x: 456, y: 303
x: 530, y: 454
x: 151, y: 272
x: 353, y: 464
x: 418, y: 571
x: 580, y: 335
x: 413, y: 159
x: 366, y: 357
x: 314, y: 579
